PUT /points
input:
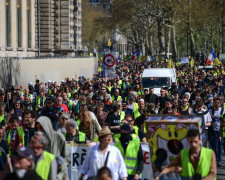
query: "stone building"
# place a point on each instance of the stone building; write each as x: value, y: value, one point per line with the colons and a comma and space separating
x: 17, y: 28
x: 60, y: 27
x: 40, y: 27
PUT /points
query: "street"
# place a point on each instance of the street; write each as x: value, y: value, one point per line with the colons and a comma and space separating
x: 221, y: 170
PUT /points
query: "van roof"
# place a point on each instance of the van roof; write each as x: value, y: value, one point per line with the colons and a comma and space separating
x: 159, y: 72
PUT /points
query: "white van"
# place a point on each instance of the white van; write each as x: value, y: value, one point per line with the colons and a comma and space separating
x: 158, y: 78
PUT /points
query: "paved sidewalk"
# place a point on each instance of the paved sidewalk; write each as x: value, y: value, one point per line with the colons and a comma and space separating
x: 221, y: 170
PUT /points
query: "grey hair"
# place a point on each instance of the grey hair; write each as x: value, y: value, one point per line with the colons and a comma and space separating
x: 43, y: 139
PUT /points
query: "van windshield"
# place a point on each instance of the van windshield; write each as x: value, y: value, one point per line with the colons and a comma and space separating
x: 156, y: 82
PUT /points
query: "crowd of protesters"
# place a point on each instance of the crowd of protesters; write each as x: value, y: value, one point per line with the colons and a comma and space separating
x: 37, y: 121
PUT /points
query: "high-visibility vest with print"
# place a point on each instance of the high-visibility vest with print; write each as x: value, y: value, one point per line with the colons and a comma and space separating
x: 203, y: 167
x: 131, y: 155
x: 38, y: 102
x: 117, y: 137
x: 44, y: 165
x: 118, y: 98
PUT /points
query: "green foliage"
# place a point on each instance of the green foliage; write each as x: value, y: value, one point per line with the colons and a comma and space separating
x: 95, y: 25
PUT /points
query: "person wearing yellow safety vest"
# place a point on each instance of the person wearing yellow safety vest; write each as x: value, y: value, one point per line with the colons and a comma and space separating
x: 195, y: 162
x: 67, y: 102
x: 131, y: 151
x: 4, y: 155
x: 45, y: 162
x: 23, y: 166
x: 141, y: 109
x: 116, y: 97
x: 132, y: 105
x: 40, y: 101
x: 15, y: 135
x: 135, y: 129
x: 3, y: 115
x: 72, y: 134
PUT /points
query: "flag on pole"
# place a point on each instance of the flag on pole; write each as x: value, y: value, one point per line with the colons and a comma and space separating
x: 109, y: 43
x: 170, y: 64
x: 217, y: 61
x: 118, y: 60
x: 211, y: 57
x: 192, y: 63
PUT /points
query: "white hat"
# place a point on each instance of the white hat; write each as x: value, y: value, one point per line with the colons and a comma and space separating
x: 30, y: 83
x: 49, y: 81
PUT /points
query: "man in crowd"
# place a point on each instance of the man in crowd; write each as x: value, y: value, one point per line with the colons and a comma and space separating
x: 131, y: 150
x: 46, y: 166
x: 195, y: 162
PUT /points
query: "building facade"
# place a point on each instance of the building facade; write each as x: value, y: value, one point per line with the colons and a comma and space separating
x: 60, y: 30
x: 30, y: 28
x: 17, y: 28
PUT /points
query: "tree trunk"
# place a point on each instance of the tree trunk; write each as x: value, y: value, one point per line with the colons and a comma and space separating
x: 174, y: 44
x: 168, y: 41
x: 192, y: 41
x: 160, y: 35
x: 152, y: 53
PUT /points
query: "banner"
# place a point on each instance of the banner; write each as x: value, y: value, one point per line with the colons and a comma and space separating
x: 184, y: 60
x: 166, y: 135
x: 78, y: 153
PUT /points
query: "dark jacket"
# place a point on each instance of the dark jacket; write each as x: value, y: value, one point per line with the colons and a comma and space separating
x: 28, y: 176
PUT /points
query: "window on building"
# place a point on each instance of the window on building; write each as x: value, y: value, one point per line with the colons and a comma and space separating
x: 28, y: 24
x: 7, y: 24
x: 18, y: 23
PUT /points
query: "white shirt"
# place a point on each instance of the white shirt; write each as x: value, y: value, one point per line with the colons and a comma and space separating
x: 207, y: 117
x: 94, y: 159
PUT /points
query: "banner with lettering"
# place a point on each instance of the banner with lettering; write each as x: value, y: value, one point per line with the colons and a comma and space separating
x: 78, y: 153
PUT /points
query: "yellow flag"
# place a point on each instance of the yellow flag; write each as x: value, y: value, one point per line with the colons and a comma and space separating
x: 109, y: 43
x: 217, y: 61
x: 170, y: 64
x: 192, y: 63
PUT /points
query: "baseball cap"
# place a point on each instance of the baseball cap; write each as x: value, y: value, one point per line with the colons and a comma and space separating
x: 25, y: 152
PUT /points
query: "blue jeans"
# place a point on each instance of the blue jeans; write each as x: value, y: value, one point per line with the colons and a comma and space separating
x: 217, y: 146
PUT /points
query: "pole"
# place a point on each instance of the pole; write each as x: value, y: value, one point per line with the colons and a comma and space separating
x: 187, y: 42
x: 39, y: 29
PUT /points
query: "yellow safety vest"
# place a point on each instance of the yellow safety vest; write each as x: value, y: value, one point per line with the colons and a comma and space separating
x: 203, y: 167
x: 38, y: 102
x: 44, y: 165
x: 21, y: 137
x: 118, y: 98
x: 131, y: 155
